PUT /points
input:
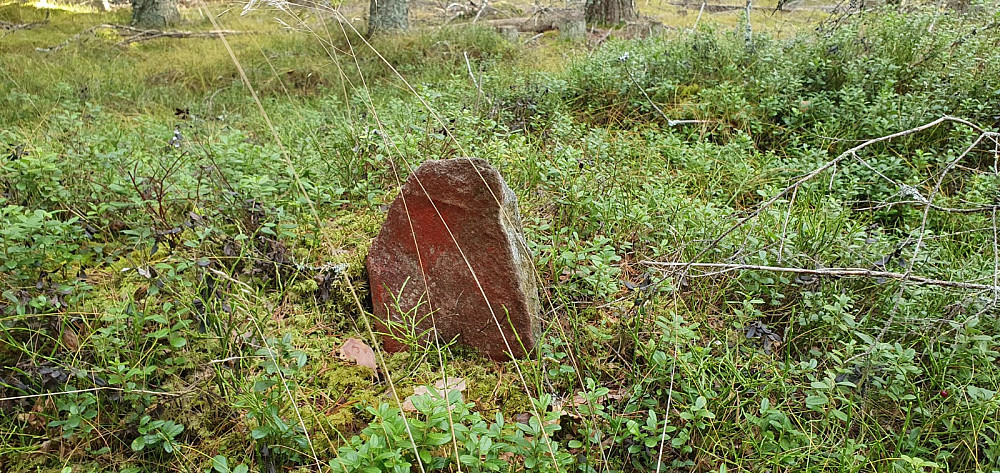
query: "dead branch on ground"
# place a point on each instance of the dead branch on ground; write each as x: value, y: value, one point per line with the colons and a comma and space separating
x: 9, y: 27
x: 831, y: 272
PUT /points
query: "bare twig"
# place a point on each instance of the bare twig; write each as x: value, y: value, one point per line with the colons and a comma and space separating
x: 996, y: 259
x: 815, y: 172
x: 913, y: 68
x: 832, y: 272
x: 696, y: 20
x: 939, y: 208
x: 485, y: 5
x: 928, y: 205
x: 533, y: 38
x: 670, y: 121
x: 784, y: 226
x: 9, y: 27
x: 907, y: 276
x: 100, y: 388
x: 605, y: 36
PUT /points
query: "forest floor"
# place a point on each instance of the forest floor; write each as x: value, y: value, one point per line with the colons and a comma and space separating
x: 184, y: 222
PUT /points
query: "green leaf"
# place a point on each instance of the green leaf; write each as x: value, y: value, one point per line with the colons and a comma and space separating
x: 700, y: 403
x: 437, y: 438
x: 819, y: 385
x: 260, y: 432
x: 139, y: 443
x: 262, y: 385
x: 241, y: 468
x: 220, y: 464
x: 980, y: 394
x: 816, y: 401
x: 161, y: 333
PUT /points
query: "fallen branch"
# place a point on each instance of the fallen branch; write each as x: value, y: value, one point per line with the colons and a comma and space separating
x: 100, y: 388
x: 721, y: 8
x: 833, y: 272
x: 968, y: 210
x: 6, y: 25
x: 134, y: 35
x: 143, y: 35
x: 486, y: 4
x: 9, y: 27
x: 914, y: 67
x: 846, y: 154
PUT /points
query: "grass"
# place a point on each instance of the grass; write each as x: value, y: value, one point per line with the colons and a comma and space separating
x: 175, y: 293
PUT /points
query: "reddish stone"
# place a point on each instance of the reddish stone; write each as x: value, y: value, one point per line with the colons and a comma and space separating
x: 417, y: 272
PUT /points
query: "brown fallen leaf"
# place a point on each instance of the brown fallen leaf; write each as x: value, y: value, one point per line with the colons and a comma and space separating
x: 48, y: 445
x: 450, y: 384
x: 408, y: 402
x: 442, y: 388
x: 70, y: 340
x: 359, y: 352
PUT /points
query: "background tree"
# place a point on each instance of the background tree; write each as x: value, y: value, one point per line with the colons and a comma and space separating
x: 388, y: 15
x: 155, y: 13
x: 611, y: 11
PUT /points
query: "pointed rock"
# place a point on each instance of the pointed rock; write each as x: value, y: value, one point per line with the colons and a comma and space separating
x: 451, y: 256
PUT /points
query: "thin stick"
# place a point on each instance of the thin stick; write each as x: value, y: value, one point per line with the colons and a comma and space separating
x: 834, y: 272
x: 478, y: 84
x: 696, y: 20
x: 970, y: 210
x: 12, y: 27
x: 919, y: 245
x: 485, y: 5
x: 670, y: 121
x: 996, y: 236
x: 784, y: 226
x: 830, y: 164
x: 100, y: 388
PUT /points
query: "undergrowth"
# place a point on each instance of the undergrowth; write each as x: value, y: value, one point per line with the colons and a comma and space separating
x: 177, y: 277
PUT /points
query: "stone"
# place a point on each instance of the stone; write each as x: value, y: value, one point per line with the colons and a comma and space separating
x: 420, y: 279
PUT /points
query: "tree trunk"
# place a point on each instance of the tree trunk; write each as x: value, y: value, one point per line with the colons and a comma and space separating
x: 611, y: 12
x: 156, y: 14
x: 388, y: 15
